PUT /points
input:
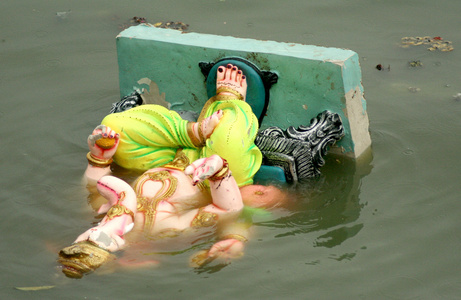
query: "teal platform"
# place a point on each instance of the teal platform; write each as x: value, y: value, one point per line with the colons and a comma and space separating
x: 311, y: 78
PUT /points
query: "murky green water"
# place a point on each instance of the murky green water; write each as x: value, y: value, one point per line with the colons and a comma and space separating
x: 387, y: 229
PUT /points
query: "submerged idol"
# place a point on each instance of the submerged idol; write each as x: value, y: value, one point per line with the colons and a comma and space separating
x: 198, y: 176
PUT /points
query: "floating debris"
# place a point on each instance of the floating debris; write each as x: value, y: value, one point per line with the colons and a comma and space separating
x: 172, y: 25
x: 133, y: 22
x: 380, y: 67
x: 138, y: 20
x: 63, y: 14
x: 457, y: 97
x: 415, y: 63
x: 414, y: 89
x: 35, y: 288
x: 435, y: 43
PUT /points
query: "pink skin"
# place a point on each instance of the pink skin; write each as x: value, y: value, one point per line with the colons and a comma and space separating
x: 226, y: 249
x: 204, y: 168
x: 226, y: 195
x: 102, y: 131
x: 94, y: 173
x: 109, y: 233
x: 255, y: 196
x: 263, y: 196
x: 230, y: 76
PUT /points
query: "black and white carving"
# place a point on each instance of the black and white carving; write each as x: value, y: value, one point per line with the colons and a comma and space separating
x: 299, y: 151
x: 127, y: 102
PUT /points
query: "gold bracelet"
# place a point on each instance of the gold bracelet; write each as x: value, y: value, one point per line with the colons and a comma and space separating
x: 235, y: 237
x: 224, y: 172
x: 97, y: 162
x: 118, y: 210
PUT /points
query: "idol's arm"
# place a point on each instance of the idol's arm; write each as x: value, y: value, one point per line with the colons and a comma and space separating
x: 102, y: 143
x: 223, y: 187
x: 227, y: 204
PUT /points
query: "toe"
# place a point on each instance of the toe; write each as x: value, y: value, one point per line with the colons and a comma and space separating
x: 238, y: 78
x: 234, y: 74
x: 220, y: 73
x: 243, y: 82
x: 228, y: 71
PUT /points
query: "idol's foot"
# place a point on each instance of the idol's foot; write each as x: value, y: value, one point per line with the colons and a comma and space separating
x: 230, y: 83
x: 81, y: 258
x: 201, y: 131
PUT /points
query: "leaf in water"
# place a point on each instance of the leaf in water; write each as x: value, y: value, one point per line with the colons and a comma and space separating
x: 35, y: 288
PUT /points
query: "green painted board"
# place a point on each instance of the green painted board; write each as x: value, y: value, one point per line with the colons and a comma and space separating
x: 311, y: 78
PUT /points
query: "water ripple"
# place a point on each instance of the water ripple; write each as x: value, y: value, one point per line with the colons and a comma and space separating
x: 402, y: 287
x: 450, y: 290
x: 410, y: 200
x: 53, y: 63
x: 35, y: 194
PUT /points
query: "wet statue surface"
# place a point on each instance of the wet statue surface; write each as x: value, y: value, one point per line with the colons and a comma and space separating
x: 198, y: 175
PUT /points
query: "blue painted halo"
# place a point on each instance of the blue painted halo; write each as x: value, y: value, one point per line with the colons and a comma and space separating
x: 256, y: 92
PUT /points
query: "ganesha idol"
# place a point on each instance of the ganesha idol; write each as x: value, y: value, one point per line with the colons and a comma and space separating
x: 198, y: 176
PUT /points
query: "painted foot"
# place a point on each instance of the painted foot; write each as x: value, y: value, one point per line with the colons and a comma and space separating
x: 230, y: 83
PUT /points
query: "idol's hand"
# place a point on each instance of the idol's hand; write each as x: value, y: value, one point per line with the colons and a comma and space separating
x: 103, y: 142
x: 227, y: 249
x: 221, y: 252
x: 204, y: 168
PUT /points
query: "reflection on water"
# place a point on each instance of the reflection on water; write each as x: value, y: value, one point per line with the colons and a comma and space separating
x: 328, y: 205
x: 388, y: 230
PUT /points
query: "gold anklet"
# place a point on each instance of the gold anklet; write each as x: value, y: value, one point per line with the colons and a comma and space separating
x: 224, y: 89
x: 98, y: 162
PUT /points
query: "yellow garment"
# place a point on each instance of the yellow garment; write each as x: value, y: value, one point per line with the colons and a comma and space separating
x: 233, y: 138
x: 150, y: 136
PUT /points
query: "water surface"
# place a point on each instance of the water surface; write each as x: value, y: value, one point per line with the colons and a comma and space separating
x: 386, y: 228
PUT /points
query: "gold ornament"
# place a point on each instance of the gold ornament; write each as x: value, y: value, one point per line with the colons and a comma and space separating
x: 82, y: 257
x: 204, y: 219
x: 98, y: 162
x: 105, y: 143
